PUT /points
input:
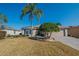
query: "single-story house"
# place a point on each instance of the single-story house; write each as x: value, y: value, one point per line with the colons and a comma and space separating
x: 30, y: 31
x: 72, y: 31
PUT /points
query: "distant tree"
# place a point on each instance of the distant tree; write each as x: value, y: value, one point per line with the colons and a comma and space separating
x: 3, y: 18
x: 59, y: 24
x: 47, y: 28
x: 31, y: 10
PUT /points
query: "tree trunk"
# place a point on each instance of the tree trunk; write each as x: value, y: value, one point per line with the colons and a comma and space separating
x: 47, y: 34
x: 50, y: 34
x: 38, y: 22
x: 31, y: 28
x: 0, y: 26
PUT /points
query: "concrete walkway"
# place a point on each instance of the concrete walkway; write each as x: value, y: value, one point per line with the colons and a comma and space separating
x: 70, y: 41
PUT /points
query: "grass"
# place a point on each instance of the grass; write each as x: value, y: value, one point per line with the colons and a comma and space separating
x: 23, y: 46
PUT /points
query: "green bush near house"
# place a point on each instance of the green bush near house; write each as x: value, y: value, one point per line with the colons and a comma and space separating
x: 2, y: 34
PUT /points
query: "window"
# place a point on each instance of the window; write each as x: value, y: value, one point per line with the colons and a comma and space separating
x: 30, y: 31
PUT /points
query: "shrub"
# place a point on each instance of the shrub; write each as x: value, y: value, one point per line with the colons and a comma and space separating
x: 8, y: 35
x: 48, y: 28
x: 2, y: 34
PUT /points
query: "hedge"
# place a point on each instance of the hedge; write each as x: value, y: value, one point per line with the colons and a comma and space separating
x: 2, y: 34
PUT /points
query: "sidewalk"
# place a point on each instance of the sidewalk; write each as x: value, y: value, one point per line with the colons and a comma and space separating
x: 70, y: 41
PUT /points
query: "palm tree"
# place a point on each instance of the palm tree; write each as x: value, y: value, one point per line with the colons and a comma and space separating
x: 3, y: 18
x: 32, y: 11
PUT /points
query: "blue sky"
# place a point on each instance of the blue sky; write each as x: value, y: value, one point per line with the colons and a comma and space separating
x: 66, y: 14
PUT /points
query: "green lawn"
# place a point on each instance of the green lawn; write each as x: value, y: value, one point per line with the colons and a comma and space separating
x: 23, y: 46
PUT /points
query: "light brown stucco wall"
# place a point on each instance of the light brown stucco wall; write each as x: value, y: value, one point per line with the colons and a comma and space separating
x: 73, y: 31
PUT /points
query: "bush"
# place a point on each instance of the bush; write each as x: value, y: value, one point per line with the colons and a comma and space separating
x: 2, y: 34
x: 47, y: 28
x: 9, y: 35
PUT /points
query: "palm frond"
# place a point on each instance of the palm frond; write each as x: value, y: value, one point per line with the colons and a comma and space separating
x: 38, y: 13
x: 3, y: 17
x: 25, y: 11
x: 32, y: 5
x: 28, y: 9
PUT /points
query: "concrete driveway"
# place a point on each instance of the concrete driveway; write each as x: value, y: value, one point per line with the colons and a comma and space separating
x: 71, y: 41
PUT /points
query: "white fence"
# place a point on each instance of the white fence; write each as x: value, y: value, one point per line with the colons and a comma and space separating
x: 56, y: 35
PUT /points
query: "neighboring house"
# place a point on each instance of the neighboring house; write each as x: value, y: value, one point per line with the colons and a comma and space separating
x: 10, y: 31
x: 64, y: 30
x: 73, y: 31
